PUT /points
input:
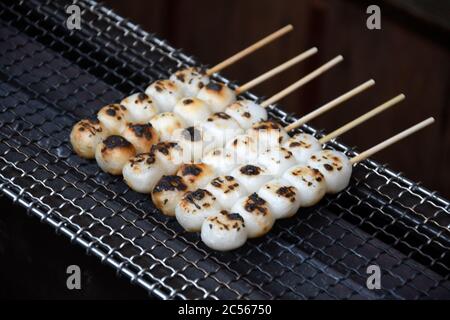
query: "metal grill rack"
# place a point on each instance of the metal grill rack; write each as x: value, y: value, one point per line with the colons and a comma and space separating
x: 50, y: 77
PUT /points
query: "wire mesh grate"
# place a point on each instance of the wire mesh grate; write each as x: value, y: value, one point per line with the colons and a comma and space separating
x: 51, y: 77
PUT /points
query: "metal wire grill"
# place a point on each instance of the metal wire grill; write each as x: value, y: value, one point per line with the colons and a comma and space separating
x: 51, y: 77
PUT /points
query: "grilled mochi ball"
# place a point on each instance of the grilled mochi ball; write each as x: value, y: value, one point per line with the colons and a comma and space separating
x: 167, y: 124
x: 220, y: 128
x: 336, y: 168
x: 247, y: 113
x: 277, y: 160
x: 283, y: 198
x: 114, y: 118
x: 168, y: 191
x: 140, y: 107
x: 141, y: 136
x: 268, y: 134
x: 302, y: 146
x: 194, y: 208
x: 222, y: 161
x: 85, y: 136
x: 224, y: 231
x: 227, y: 190
x: 309, y: 182
x: 217, y: 95
x: 251, y: 177
x: 244, y: 148
x: 169, y: 154
x: 113, y: 153
x: 256, y: 214
x: 190, y: 80
x: 164, y: 94
x: 142, y: 172
x: 193, y: 111
x: 196, y: 175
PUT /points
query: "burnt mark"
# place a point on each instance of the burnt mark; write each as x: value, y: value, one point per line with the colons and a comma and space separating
x: 192, y: 134
x: 287, y: 192
x: 111, y: 112
x: 170, y: 183
x: 221, y: 115
x: 217, y: 182
x: 93, y: 126
x: 267, y: 125
x: 181, y: 76
x: 247, y: 115
x: 159, y: 86
x: 163, y: 147
x: 142, y: 97
x: 234, y: 217
x: 191, y: 170
x: 113, y: 142
x: 197, y: 195
x: 147, y: 157
x: 187, y: 102
x: 250, y: 170
x: 328, y: 167
x: 255, y: 204
x: 142, y: 130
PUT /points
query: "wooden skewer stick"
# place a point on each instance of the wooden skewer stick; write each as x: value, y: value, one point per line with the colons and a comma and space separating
x: 402, y: 135
x: 242, y: 54
x: 363, y: 118
x: 280, y: 95
x: 330, y: 105
x: 271, y: 73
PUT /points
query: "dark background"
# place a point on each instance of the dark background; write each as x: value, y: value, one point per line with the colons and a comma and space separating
x: 410, y: 55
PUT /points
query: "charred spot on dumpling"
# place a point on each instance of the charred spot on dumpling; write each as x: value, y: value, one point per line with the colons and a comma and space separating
x: 188, y: 101
x: 163, y: 147
x: 250, y: 170
x: 159, y: 88
x: 113, y: 142
x: 199, y: 194
x: 255, y: 204
x: 192, y: 134
x: 191, y: 170
x: 286, y: 191
x: 247, y: 115
x: 181, y: 76
x: 142, y: 97
x: 234, y: 217
x: 90, y: 125
x: 267, y: 125
x: 222, y: 115
x: 142, y: 130
x: 111, y: 112
x: 328, y: 167
x: 214, y: 86
x: 150, y: 158
x: 138, y: 159
x: 170, y: 183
